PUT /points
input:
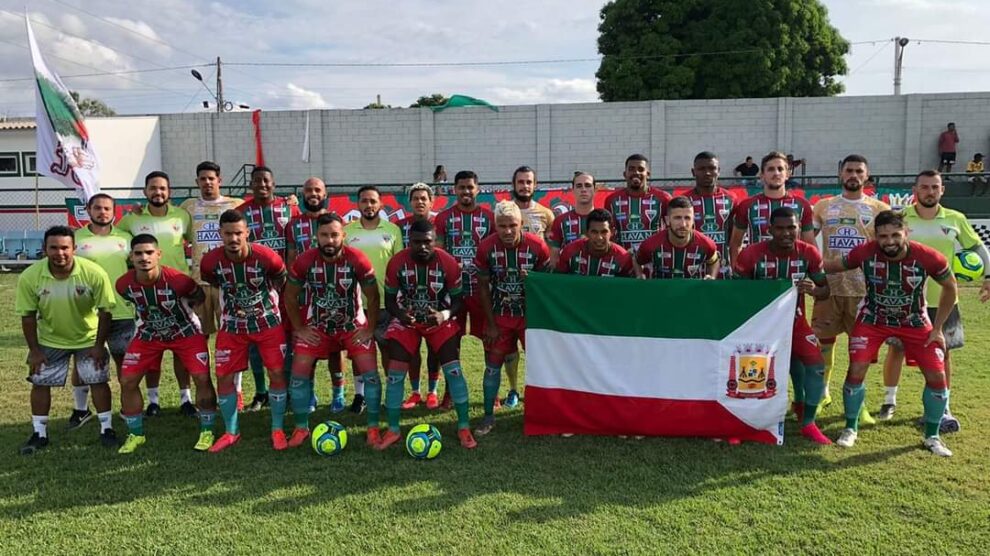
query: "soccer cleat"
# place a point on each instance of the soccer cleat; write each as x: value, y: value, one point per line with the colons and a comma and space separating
x: 338, y: 404
x: 188, y: 409
x: 948, y: 424
x: 412, y: 401
x: 814, y: 434
x: 847, y: 439
x: 511, y: 400
x: 937, y: 447
x: 448, y: 403
x: 797, y: 408
x: 299, y: 436
x: 153, y: 410
x: 131, y: 444
x: 467, y: 441
x: 240, y: 401
x: 79, y: 418
x: 865, y: 418
x: 733, y: 441
x: 431, y: 401
x: 486, y: 426
x: 887, y: 411
x: 279, y: 441
x: 34, y: 444
x: 391, y: 437
x: 374, y: 436
x: 498, y: 404
x: 225, y: 441
x: 205, y: 441
x: 109, y: 439
x: 259, y: 401
x: 358, y: 406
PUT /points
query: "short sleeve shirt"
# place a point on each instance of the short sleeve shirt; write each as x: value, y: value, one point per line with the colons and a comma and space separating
x: 713, y: 217
x: 947, y: 233
x: 379, y: 245
x: 537, y: 219
x: 423, y: 287
x: 636, y: 217
x: 462, y: 232
x: 660, y: 258
x: 332, y: 289
x: 171, y: 231
x: 753, y: 214
x: 267, y: 223
x: 845, y: 224
x: 506, y: 268
x: 205, y: 216
x: 577, y: 258
x: 249, y: 289
x: 111, y: 253
x: 566, y: 228
x: 759, y: 262
x: 163, y: 311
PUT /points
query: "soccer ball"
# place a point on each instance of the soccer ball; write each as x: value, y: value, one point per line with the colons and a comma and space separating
x: 967, y: 266
x: 424, y: 442
x: 329, y: 438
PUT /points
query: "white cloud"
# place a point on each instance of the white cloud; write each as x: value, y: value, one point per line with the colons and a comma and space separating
x: 303, y: 99
x: 547, y: 91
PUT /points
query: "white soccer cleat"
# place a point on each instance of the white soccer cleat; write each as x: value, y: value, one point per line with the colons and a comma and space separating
x: 937, y: 447
x: 848, y: 438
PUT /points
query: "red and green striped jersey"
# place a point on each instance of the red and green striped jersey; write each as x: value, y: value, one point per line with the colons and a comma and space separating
x: 506, y: 267
x: 300, y: 234
x: 267, y: 223
x: 423, y: 287
x: 895, y: 290
x: 713, y: 217
x: 759, y: 262
x: 636, y: 217
x: 461, y: 233
x: 567, y: 228
x: 753, y: 214
x: 333, y: 288
x: 248, y: 289
x: 660, y: 258
x: 163, y: 313
x: 404, y: 225
x: 577, y: 258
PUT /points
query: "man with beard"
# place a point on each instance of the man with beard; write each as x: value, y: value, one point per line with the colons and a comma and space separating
x: 172, y: 227
x: 595, y: 254
x: 106, y: 245
x: 946, y: 231
x: 712, y: 206
x: 571, y: 225
x: 752, y: 216
x: 679, y: 251
x: 844, y: 221
x: 379, y: 240
x: 896, y: 270
x: 638, y: 209
x: 333, y: 278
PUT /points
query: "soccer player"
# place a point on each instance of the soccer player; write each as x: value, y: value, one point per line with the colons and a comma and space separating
x: 249, y: 277
x: 638, y: 209
x: 333, y: 278
x: 595, y: 254
x: 421, y: 203
x: 944, y: 230
x: 172, y: 227
x: 896, y: 270
x: 379, y: 240
x: 106, y: 245
x: 752, y: 216
x: 64, y: 303
x: 679, y: 251
x: 503, y: 261
x: 712, y: 206
x: 844, y: 222
x: 163, y: 298
x: 571, y: 225
x: 784, y: 257
x: 422, y: 292
x: 267, y: 217
x: 460, y: 229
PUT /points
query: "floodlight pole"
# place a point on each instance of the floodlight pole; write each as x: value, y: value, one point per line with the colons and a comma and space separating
x: 899, y: 44
x: 219, y: 86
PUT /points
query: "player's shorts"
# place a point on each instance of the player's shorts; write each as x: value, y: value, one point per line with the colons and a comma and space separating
x: 56, y: 370
x: 384, y: 319
x: 121, y: 333
x: 948, y: 158
x: 209, y: 310
x: 804, y: 344
x: 334, y: 343
x: 866, y: 339
x: 835, y: 315
x: 409, y: 336
x: 510, y: 330
x: 144, y: 356
x: 471, y: 310
x: 232, y: 349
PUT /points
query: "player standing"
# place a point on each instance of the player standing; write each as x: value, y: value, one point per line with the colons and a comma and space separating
x: 595, y: 254
x: 679, y: 251
x: 571, y: 225
x: 712, y: 206
x: 638, y: 209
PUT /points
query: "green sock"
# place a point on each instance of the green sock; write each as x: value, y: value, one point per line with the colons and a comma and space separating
x: 797, y: 379
x: 814, y: 391
x: 135, y: 423
x: 301, y: 390
x: 257, y: 370
x: 277, y: 401
x: 934, y: 402
x: 853, y: 396
x: 393, y: 397
x: 454, y: 375
x: 490, y: 384
x: 372, y: 396
x: 228, y: 410
x: 206, y: 420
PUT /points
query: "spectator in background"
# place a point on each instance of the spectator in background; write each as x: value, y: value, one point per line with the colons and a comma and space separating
x: 440, y: 181
x: 748, y: 170
x: 979, y: 179
x: 795, y: 163
x: 947, y: 141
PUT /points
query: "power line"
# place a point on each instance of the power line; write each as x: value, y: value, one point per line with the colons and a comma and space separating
x: 870, y: 59
x: 937, y: 41
x: 97, y: 74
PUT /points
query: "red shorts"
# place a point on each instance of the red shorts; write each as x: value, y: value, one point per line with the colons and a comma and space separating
x: 409, y: 336
x: 804, y: 343
x: 143, y: 356
x: 510, y: 330
x: 232, y: 349
x: 335, y: 343
x: 472, y: 309
x: 865, y: 341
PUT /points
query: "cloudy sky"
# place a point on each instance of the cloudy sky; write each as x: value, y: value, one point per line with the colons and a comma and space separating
x: 146, y: 39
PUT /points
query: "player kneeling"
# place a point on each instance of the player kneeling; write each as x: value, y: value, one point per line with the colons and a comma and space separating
x: 163, y: 298
x: 419, y: 280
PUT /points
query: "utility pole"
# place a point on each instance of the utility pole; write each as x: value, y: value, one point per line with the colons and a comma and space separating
x: 219, y: 87
x: 899, y: 44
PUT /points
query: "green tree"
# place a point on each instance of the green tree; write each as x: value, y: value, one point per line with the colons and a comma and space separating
x: 91, y: 106
x: 435, y: 99
x: 651, y: 49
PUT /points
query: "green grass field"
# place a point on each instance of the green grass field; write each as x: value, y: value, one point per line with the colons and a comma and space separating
x: 511, y: 495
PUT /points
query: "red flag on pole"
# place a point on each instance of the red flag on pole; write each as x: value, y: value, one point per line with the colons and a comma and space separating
x: 259, y: 151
